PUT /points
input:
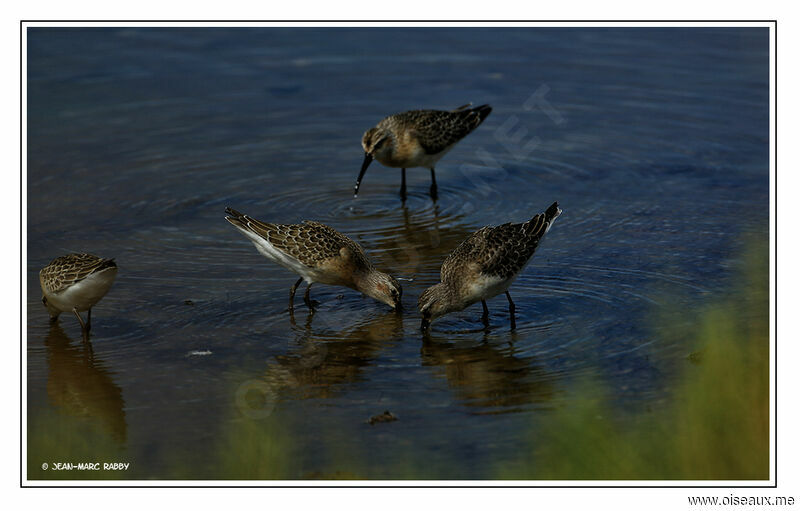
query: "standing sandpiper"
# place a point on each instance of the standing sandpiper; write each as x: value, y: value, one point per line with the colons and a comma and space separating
x: 74, y: 283
x: 318, y: 253
x: 418, y: 138
x: 485, y: 265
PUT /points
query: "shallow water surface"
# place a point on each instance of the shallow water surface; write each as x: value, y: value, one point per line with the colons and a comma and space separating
x: 654, y: 142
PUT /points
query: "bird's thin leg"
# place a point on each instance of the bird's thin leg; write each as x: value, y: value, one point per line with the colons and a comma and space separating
x: 307, y: 299
x: 511, y: 311
x: 89, y: 320
x: 88, y: 351
x: 80, y: 319
x: 485, y: 317
x: 434, y: 189
x: 309, y: 319
x: 291, y: 295
x: 403, y: 185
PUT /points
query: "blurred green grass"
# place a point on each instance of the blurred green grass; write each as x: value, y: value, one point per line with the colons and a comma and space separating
x: 62, y: 438
x: 715, y: 426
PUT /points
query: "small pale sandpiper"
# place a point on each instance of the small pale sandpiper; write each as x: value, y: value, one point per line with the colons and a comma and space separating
x: 75, y: 283
x: 418, y: 138
x: 485, y: 265
x: 318, y: 253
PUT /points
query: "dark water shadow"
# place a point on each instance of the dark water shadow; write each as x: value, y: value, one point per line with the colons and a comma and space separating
x: 488, y: 377
x: 320, y: 362
x: 80, y: 385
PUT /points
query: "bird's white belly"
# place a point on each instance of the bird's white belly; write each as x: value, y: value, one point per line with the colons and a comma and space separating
x: 485, y: 287
x: 422, y: 159
x: 410, y: 158
x: 83, y: 295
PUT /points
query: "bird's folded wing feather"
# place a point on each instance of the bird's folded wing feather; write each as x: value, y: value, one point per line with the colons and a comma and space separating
x: 500, y: 251
x: 437, y: 130
x: 310, y: 242
x: 68, y: 270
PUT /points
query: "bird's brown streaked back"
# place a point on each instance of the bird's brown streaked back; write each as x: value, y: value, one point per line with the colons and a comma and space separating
x: 436, y: 130
x: 70, y: 269
x: 310, y: 242
x: 500, y: 251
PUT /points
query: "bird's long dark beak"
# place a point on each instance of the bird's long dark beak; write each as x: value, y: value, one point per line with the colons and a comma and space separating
x: 426, y: 324
x: 367, y: 161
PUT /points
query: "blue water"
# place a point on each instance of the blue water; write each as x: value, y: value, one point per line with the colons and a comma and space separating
x: 653, y: 140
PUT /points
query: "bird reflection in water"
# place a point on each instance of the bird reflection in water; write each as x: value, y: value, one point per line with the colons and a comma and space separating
x: 490, y: 377
x: 324, y: 361
x: 416, y: 250
x: 80, y: 385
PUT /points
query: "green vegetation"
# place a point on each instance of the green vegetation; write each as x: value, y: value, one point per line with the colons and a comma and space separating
x: 255, y: 450
x: 714, y: 426
x: 62, y: 438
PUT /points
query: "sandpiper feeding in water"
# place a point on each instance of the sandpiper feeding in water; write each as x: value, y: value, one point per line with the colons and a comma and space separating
x: 485, y: 265
x: 75, y: 283
x: 418, y: 138
x: 318, y: 253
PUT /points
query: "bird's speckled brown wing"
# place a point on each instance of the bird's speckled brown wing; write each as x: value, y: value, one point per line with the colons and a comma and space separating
x: 436, y: 130
x: 460, y: 260
x: 500, y: 251
x: 66, y: 270
x: 311, y: 243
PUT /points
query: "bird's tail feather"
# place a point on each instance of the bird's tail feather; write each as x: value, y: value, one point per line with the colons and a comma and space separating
x: 238, y: 219
x: 482, y: 111
x: 551, y: 214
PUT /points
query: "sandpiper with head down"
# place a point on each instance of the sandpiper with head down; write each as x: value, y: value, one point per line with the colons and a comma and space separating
x: 75, y: 283
x: 418, y: 138
x: 485, y: 265
x: 318, y: 253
